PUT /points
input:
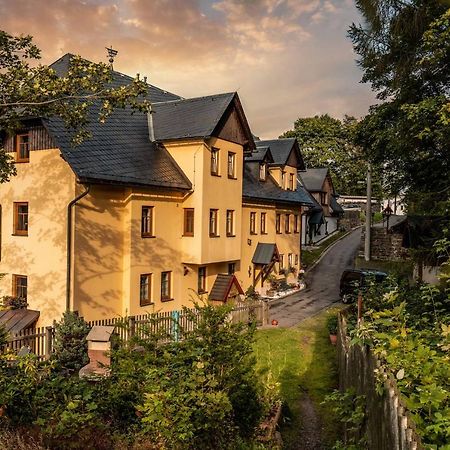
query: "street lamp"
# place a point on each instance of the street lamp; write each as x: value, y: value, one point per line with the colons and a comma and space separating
x: 387, y: 212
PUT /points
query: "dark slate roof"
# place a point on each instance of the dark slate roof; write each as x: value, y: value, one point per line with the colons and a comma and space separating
x: 61, y: 66
x: 222, y: 286
x: 268, y: 190
x: 316, y: 218
x: 15, y: 320
x: 264, y: 253
x: 313, y: 179
x: 259, y: 155
x: 281, y: 149
x: 190, y: 118
x: 119, y: 150
x: 335, y: 206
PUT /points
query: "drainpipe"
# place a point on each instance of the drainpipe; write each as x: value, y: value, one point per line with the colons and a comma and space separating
x: 69, y: 243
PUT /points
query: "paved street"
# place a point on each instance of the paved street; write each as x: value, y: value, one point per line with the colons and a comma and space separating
x: 323, y: 284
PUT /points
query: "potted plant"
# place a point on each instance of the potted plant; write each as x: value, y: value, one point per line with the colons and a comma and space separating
x: 332, y: 326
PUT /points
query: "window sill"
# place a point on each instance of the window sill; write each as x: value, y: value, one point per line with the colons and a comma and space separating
x: 216, y: 175
x: 147, y: 236
x: 214, y: 236
x: 253, y: 233
x: 166, y: 299
x: 143, y: 305
x: 188, y: 235
x: 232, y: 178
x: 263, y: 232
x: 231, y: 235
x: 202, y: 292
x: 19, y: 234
x: 279, y: 232
x: 23, y: 161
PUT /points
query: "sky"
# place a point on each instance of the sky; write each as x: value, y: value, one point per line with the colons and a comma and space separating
x: 286, y: 58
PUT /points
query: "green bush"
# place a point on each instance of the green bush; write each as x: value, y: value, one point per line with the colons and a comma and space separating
x: 332, y: 324
x: 201, y: 392
x: 70, y: 349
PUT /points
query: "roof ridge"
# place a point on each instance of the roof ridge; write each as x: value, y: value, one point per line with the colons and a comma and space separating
x: 224, y: 94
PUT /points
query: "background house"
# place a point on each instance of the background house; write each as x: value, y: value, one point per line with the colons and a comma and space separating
x: 323, y: 218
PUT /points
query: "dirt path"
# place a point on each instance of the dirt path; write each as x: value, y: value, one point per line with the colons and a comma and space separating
x: 311, y: 429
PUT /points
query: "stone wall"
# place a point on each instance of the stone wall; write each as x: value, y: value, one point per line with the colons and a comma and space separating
x: 351, y: 219
x: 388, y: 424
x: 384, y: 246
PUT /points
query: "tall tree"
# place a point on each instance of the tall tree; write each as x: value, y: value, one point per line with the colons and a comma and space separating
x: 28, y: 89
x: 404, y: 51
x: 328, y: 142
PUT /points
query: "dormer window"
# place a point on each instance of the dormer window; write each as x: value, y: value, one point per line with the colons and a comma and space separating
x: 283, y: 179
x: 22, y: 147
x: 291, y: 181
x: 263, y: 171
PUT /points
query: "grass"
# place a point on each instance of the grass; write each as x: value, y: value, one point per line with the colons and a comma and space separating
x: 301, y: 359
x: 309, y: 257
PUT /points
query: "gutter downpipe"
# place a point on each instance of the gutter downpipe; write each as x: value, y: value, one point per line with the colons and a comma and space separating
x: 69, y: 242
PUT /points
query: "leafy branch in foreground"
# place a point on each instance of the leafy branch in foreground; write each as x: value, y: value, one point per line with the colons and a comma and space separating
x: 29, y: 89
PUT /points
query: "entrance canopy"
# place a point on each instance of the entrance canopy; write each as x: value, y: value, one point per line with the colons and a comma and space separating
x: 16, y: 320
x: 224, y: 286
x: 265, y: 254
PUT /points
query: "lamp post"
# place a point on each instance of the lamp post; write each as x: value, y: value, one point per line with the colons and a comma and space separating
x: 387, y: 212
x: 368, y: 213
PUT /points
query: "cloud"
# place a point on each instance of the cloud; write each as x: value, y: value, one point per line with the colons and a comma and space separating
x: 287, y: 58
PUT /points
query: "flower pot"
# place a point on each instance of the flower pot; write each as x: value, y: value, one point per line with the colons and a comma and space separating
x: 333, y: 339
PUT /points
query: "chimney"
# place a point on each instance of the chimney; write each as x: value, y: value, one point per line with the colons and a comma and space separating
x: 99, y: 347
x: 151, y: 129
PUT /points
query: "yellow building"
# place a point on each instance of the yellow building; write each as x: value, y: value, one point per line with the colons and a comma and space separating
x: 273, y: 202
x: 142, y: 216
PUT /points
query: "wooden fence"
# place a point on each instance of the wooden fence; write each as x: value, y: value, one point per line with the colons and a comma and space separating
x: 389, y: 424
x: 170, y: 325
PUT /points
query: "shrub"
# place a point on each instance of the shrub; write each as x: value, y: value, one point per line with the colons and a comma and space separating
x: 70, y: 349
x: 10, y: 302
x: 332, y: 323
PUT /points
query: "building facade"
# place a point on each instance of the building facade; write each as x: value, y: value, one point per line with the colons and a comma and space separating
x: 149, y: 214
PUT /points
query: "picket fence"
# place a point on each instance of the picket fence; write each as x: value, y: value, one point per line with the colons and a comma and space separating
x: 170, y: 325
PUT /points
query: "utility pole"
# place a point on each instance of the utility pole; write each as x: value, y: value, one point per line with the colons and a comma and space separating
x: 368, y: 213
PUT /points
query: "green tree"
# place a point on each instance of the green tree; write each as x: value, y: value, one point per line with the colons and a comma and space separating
x: 70, y: 342
x: 328, y: 142
x: 29, y: 89
x: 404, y: 49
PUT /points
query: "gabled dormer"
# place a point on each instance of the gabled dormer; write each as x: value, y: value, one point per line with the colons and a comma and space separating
x: 262, y: 158
x: 287, y: 161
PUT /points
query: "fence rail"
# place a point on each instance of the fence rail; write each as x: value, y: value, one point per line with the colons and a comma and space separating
x: 171, y: 324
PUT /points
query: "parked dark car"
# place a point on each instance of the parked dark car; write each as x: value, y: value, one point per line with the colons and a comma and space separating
x: 353, y: 280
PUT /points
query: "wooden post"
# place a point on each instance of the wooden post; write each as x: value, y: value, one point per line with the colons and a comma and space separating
x: 48, y: 341
x: 132, y: 324
x: 360, y: 306
x: 266, y: 317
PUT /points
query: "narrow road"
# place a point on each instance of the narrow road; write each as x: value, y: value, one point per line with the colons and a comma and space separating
x: 322, y: 284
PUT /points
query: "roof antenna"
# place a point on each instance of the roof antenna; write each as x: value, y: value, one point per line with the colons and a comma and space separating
x: 111, y: 54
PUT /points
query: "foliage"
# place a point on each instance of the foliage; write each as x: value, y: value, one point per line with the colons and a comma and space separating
x: 70, y: 349
x: 408, y: 328
x: 251, y: 294
x: 350, y: 410
x: 328, y: 142
x: 332, y: 323
x: 200, y: 392
x: 11, y: 302
x: 404, y: 48
x: 31, y: 90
